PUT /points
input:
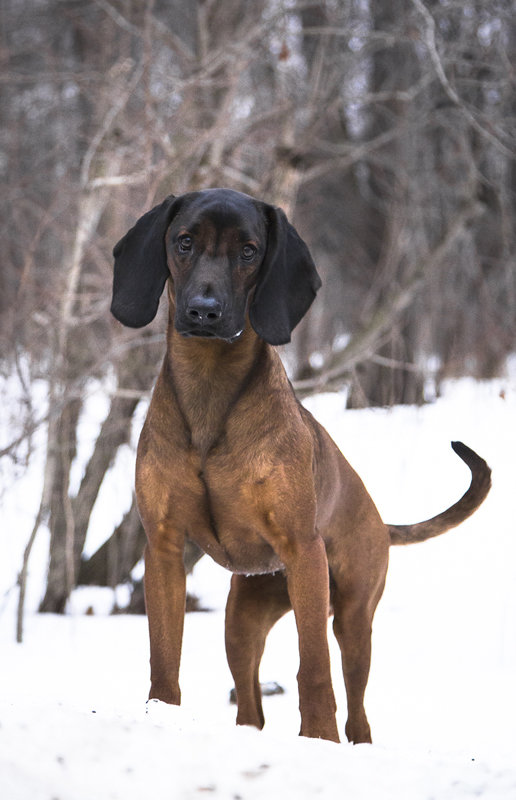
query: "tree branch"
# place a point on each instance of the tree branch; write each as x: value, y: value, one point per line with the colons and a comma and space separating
x: 365, y: 341
x: 452, y: 95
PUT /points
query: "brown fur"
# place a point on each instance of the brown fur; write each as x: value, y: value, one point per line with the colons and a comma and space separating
x: 229, y: 458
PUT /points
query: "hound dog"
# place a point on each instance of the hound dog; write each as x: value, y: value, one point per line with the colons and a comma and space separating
x: 229, y: 458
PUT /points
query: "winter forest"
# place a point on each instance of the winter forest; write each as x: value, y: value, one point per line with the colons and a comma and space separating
x: 386, y: 131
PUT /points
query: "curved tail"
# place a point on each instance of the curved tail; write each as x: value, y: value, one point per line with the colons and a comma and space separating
x: 458, y: 512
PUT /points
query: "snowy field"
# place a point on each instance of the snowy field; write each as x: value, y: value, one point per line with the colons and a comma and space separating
x: 441, y: 697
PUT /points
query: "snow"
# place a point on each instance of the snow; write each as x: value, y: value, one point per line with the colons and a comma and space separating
x: 441, y: 698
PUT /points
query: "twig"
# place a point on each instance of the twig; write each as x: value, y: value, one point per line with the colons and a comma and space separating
x: 22, y: 578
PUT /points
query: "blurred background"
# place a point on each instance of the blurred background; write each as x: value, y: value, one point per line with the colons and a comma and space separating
x: 386, y: 131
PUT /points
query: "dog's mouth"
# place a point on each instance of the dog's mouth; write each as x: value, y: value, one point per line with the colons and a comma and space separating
x: 206, y: 333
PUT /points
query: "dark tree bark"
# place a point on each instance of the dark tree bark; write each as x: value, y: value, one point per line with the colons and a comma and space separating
x: 61, y: 570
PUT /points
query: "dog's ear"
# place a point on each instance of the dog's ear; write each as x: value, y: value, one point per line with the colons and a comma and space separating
x: 141, y: 266
x: 287, y: 283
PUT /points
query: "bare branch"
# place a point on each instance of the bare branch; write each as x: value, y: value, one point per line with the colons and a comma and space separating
x: 365, y: 341
x: 122, y: 180
x: 109, y: 118
x: 452, y: 95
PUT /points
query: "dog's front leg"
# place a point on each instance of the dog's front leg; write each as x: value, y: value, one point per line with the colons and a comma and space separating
x: 308, y: 586
x: 165, y: 592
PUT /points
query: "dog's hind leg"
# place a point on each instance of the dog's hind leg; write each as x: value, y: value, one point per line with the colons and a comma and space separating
x: 353, y: 616
x: 255, y: 603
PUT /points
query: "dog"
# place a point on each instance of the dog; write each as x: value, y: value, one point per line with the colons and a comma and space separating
x: 229, y: 458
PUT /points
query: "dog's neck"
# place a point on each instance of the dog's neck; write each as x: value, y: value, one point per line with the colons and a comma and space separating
x: 209, y: 376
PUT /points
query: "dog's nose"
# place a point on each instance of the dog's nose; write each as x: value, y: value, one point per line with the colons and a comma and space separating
x: 204, y: 309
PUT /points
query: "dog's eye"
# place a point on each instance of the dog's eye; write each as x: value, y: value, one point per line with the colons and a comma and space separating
x: 248, y: 252
x: 185, y: 243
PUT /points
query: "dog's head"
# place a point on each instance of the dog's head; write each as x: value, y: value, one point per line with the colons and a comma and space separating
x: 227, y: 255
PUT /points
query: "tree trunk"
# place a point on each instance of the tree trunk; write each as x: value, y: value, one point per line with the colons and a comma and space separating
x: 113, y: 562
x: 61, y: 570
x: 115, y: 431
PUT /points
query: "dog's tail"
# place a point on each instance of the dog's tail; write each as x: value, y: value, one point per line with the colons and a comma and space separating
x: 458, y: 512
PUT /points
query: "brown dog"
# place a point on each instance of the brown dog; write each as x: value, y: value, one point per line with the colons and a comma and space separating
x: 229, y: 458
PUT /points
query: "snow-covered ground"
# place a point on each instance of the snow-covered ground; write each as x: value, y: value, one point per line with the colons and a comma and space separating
x: 441, y: 697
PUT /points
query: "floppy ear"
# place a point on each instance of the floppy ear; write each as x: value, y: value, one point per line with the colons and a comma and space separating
x: 141, y: 266
x: 287, y: 283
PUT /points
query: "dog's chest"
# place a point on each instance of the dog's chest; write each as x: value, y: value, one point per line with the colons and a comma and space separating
x: 221, y: 465
x: 233, y: 506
